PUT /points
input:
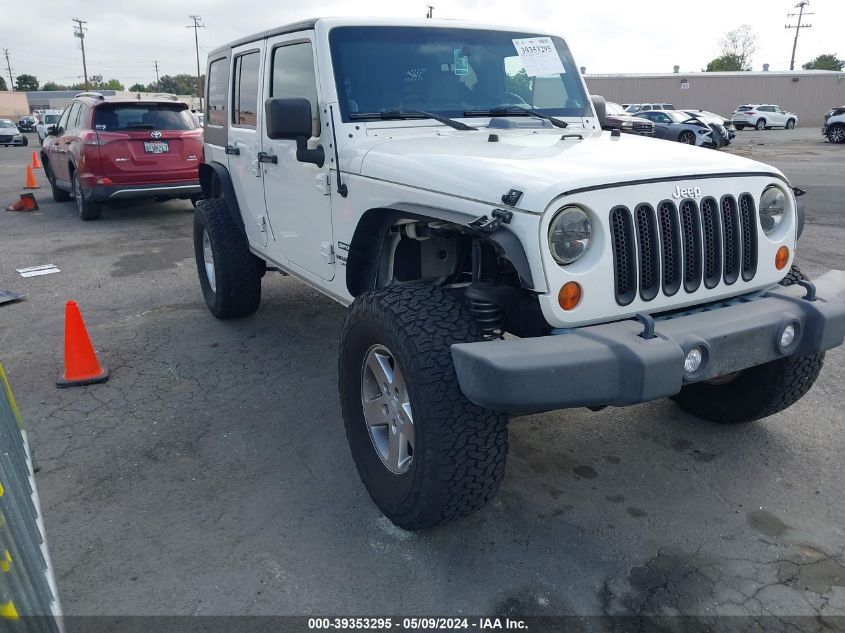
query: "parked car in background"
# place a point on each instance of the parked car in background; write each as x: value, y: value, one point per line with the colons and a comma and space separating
x: 715, y: 119
x: 48, y: 118
x: 27, y: 123
x: 633, y: 108
x: 674, y: 125
x: 763, y: 117
x: 617, y: 119
x: 834, y: 125
x: 10, y: 134
x: 115, y: 148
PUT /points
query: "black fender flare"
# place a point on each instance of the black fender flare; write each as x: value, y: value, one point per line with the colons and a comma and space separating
x: 365, y: 248
x: 208, y: 173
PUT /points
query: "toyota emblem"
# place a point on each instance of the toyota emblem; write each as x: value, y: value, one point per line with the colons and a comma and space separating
x: 155, y: 134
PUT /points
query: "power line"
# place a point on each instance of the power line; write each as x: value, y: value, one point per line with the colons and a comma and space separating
x: 197, y: 24
x: 800, y: 6
x: 9, y: 68
x: 79, y: 31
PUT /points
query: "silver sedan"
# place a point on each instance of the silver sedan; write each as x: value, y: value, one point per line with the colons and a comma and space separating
x: 674, y: 125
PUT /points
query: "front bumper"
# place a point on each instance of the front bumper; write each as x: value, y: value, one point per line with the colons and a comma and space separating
x: 611, y: 364
x: 103, y: 193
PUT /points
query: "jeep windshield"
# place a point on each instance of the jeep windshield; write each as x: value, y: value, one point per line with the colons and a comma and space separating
x: 453, y: 72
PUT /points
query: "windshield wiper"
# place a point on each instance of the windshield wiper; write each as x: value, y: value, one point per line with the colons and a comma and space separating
x: 517, y: 111
x: 398, y: 115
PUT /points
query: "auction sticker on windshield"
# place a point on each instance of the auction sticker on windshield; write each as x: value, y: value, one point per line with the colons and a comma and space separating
x: 539, y: 56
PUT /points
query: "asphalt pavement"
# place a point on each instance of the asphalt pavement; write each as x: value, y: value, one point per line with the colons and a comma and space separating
x: 211, y: 474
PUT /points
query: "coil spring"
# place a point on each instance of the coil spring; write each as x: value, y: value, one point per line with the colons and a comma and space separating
x: 488, y: 316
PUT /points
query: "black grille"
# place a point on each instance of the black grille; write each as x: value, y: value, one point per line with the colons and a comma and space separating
x: 691, y: 229
x: 670, y: 243
x: 748, y: 218
x: 732, y: 239
x: 624, y: 256
x: 671, y: 246
x: 711, y: 229
x: 649, y: 252
x: 6, y: 139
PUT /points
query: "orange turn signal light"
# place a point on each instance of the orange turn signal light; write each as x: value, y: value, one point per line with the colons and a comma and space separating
x: 569, y: 295
x: 781, y: 257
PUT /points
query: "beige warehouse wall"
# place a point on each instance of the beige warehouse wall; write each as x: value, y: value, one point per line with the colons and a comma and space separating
x: 13, y: 105
x: 809, y: 94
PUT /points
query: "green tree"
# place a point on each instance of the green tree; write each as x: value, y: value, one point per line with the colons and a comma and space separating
x: 182, y: 84
x: 828, y: 61
x: 724, y: 63
x: 52, y: 85
x: 26, y: 82
x: 139, y: 87
x: 113, y: 84
x: 3, y: 84
x: 519, y: 84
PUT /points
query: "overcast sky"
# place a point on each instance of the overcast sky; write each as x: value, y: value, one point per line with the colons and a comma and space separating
x: 125, y: 36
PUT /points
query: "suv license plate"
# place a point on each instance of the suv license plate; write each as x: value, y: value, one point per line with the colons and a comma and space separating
x: 156, y: 147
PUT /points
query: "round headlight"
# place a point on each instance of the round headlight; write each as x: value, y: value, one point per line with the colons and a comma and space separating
x: 772, y: 209
x: 569, y: 235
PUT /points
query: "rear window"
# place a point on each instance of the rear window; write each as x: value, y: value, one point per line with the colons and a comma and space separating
x: 744, y: 108
x: 143, y: 116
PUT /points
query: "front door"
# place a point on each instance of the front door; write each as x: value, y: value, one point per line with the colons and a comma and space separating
x: 296, y: 193
x: 244, y: 143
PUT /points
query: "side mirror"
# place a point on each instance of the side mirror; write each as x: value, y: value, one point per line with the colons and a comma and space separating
x: 53, y: 130
x: 291, y: 119
x: 600, y: 107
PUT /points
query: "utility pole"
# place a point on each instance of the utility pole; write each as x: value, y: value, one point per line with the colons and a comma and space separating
x: 197, y: 24
x: 800, y: 6
x: 158, y: 82
x: 430, y: 13
x: 79, y: 31
x: 9, y: 68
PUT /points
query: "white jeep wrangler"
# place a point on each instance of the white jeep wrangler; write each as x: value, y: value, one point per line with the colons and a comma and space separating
x: 499, y: 252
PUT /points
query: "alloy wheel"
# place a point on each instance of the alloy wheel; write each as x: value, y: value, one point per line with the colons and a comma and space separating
x: 387, y: 409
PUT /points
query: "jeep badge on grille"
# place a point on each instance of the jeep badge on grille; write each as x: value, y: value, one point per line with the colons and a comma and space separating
x: 688, y: 192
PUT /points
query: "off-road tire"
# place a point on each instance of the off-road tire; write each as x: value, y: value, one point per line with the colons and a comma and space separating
x: 790, y: 124
x: 237, y: 271
x: 59, y: 195
x: 460, y: 449
x: 757, y: 392
x: 88, y: 209
x: 761, y: 125
x: 836, y: 133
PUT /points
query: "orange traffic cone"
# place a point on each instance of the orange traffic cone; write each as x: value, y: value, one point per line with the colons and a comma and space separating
x: 81, y: 364
x: 31, y: 183
x: 36, y: 164
x: 27, y: 202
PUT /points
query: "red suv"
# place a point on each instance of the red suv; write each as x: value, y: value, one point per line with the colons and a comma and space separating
x: 116, y: 148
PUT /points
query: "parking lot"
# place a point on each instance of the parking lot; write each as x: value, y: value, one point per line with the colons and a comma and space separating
x: 211, y: 474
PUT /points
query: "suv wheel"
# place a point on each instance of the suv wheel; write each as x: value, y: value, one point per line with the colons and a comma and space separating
x: 425, y: 453
x: 790, y: 124
x: 836, y: 133
x: 59, y: 195
x: 230, y: 275
x: 757, y: 392
x: 761, y: 124
x: 88, y: 210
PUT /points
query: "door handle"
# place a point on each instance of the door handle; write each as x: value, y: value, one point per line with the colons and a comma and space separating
x: 232, y: 150
x: 264, y: 157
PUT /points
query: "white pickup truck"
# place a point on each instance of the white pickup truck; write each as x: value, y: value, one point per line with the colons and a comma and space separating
x: 499, y: 253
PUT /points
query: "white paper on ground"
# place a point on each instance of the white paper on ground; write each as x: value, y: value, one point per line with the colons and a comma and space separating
x: 539, y: 56
x: 35, y: 271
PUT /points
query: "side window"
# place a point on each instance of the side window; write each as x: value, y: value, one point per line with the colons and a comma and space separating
x: 73, y: 115
x: 293, y: 76
x: 80, y: 117
x: 662, y: 118
x: 245, y: 92
x: 62, y: 124
x: 216, y: 99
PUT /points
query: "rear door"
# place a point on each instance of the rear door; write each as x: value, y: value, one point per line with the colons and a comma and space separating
x: 781, y: 116
x: 245, y: 138
x: 147, y: 142
x: 60, y: 147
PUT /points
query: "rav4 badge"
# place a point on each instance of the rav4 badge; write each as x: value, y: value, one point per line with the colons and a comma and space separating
x: 686, y: 192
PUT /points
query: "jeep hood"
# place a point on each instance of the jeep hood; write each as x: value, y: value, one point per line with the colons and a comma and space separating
x: 542, y: 163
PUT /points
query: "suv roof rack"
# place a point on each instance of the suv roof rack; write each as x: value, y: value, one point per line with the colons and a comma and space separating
x: 95, y: 95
